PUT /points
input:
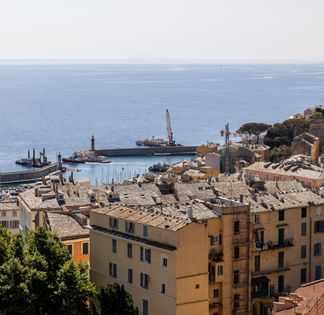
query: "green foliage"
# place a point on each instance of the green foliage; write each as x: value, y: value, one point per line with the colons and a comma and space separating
x: 279, y: 153
x: 252, y: 128
x: 37, y: 276
x: 285, y: 132
x: 115, y: 300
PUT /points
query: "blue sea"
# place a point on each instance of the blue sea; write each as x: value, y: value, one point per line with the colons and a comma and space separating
x: 59, y: 106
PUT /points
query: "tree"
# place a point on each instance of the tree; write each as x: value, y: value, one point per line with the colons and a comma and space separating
x: 115, y: 300
x: 253, y: 129
x: 38, y: 276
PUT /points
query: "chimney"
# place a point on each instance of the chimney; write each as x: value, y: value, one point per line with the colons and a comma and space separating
x: 241, y: 198
x: 59, y: 161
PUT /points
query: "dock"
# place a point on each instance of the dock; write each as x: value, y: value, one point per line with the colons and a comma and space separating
x: 21, y: 177
x: 148, y: 151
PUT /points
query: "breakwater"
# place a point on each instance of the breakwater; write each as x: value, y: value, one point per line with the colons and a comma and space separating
x: 27, y: 176
x: 148, y: 151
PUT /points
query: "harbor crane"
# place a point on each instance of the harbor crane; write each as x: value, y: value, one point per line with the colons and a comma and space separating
x: 169, y: 129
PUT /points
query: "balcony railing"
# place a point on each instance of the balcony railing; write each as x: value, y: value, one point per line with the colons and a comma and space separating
x: 215, y: 255
x: 274, y: 245
x: 260, y: 294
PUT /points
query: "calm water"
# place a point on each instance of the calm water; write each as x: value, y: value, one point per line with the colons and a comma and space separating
x: 61, y: 106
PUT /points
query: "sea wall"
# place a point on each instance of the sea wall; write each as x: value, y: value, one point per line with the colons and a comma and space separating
x: 27, y: 176
x: 148, y: 151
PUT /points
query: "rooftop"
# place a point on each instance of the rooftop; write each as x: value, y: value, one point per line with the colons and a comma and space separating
x: 65, y: 226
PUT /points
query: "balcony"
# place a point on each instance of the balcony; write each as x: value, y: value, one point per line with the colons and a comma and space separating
x: 271, y: 270
x: 215, y: 255
x: 260, y: 287
x: 214, y: 305
x: 274, y: 245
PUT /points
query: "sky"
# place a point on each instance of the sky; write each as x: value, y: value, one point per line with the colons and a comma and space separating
x: 205, y: 30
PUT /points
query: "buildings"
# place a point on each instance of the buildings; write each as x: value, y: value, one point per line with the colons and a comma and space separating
x: 306, y: 144
x: 53, y: 195
x: 306, y: 300
x: 296, y: 168
x: 265, y: 241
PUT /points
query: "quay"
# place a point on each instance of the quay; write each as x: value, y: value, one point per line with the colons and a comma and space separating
x: 28, y: 176
x: 148, y: 151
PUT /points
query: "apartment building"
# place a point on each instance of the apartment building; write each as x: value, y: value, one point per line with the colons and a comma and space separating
x: 287, y: 244
x: 171, y: 259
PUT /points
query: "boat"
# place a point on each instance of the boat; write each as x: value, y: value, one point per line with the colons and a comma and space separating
x: 159, y: 167
x: 33, y: 161
x: 84, y: 157
x: 159, y: 142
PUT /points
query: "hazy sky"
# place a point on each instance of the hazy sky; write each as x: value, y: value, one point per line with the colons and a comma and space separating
x: 163, y: 29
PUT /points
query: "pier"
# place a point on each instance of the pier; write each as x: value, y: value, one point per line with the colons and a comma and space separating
x: 148, y: 151
x: 27, y: 176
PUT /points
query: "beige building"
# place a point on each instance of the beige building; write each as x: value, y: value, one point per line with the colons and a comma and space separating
x: 53, y: 195
x: 309, y: 175
x: 9, y: 216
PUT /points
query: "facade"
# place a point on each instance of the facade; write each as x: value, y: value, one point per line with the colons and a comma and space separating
x: 306, y: 144
x: 73, y: 230
x: 161, y: 260
x: 9, y: 216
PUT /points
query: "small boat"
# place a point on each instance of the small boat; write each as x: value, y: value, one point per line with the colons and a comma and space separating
x: 159, y: 167
x: 86, y: 159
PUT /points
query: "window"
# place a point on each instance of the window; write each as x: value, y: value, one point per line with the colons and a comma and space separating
x: 163, y: 288
x: 145, y: 230
x: 85, y: 248
x: 220, y: 270
x: 3, y: 213
x: 303, y: 212
x: 129, y: 227
x: 303, y: 228
x: 164, y: 262
x: 114, y: 245
x: 256, y: 263
x: 5, y: 223
x: 130, y: 276
x: 220, y: 239
x: 144, y: 280
x: 281, y: 236
x: 236, y: 227
x: 70, y: 248
x: 303, y: 251
x: 215, y: 293
x: 145, y: 307
x: 318, y: 226
x: 281, y: 283
x: 256, y: 219
x: 14, y: 213
x: 236, y: 300
x: 113, y: 270
x: 129, y: 250
x: 281, y: 215
x: 303, y: 273
x: 236, y: 277
x: 113, y: 223
x: 317, y: 249
x: 281, y: 259
x: 146, y: 255
x: 318, y: 272
x: 14, y: 224
x: 236, y: 252
x: 213, y: 239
